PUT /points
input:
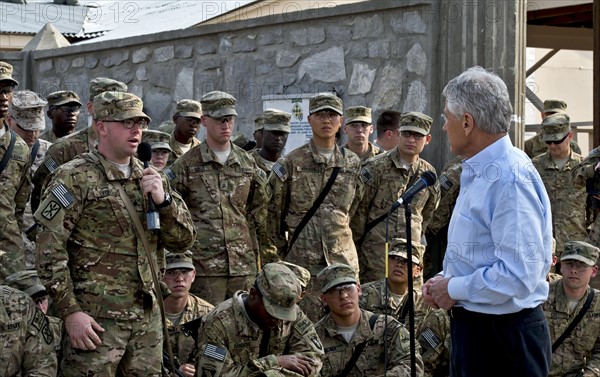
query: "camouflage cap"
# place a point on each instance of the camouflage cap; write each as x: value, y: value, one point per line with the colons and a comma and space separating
x: 103, y: 84
x: 555, y: 127
x: 218, y: 104
x: 276, y: 120
x: 358, y: 114
x: 27, y: 281
x: 325, y: 101
x: 334, y: 275
x: 180, y: 260
x: 258, y: 124
x: 301, y: 273
x: 416, y: 122
x: 399, y: 249
x: 280, y: 291
x: 581, y: 251
x: 555, y: 106
x: 27, y: 108
x: 118, y: 106
x: 189, y: 108
x: 63, y: 97
x: 156, y: 139
x: 6, y: 71
x: 167, y: 126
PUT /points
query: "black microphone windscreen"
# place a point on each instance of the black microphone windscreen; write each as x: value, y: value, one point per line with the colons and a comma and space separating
x: 429, y: 177
x: 144, y: 152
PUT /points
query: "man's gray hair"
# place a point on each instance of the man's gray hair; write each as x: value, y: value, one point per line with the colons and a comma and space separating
x: 483, y: 95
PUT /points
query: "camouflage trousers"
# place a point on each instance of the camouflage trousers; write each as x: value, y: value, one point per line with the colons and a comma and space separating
x: 129, y: 348
x: 11, y: 261
x: 216, y: 289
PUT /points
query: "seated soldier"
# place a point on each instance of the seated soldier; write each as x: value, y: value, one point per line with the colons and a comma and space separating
x: 260, y: 332
x: 347, y: 329
x: 434, y: 338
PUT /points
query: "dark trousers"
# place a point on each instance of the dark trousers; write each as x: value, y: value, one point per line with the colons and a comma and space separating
x: 516, y: 344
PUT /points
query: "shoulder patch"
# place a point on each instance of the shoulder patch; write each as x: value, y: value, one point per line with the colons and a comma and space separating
x: 63, y: 195
x: 303, y: 325
x: 365, y: 175
x: 214, y: 352
x: 47, y: 332
x: 39, y: 319
x: 431, y: 338
x: 445, y: 182
x: 50, y: 164
x: 50, y: 210
x: 169, y: 174
x: 280, y: 171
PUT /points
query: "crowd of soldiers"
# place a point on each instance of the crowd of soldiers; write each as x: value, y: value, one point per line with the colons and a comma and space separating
x: 214, y: 258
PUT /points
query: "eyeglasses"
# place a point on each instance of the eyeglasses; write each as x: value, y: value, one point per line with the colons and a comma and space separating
x: 161, y: 152
x: 408, y: 134
x: 358, y: 125
x: 223, y: 120
x: 175, y: 272
x: 322, y: 115
x: 68, y: 109
x: 7, y: 89
x: 130, y: 123
x: 345, y: 289
x: 575, y: 265
x: 397, y: 260
x: 556, y: 142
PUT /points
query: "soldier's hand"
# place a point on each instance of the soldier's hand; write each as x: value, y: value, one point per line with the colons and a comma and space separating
x: 188, y: 370
x: 297, y: 363
x: 152, y: 183
x: 82, y: 330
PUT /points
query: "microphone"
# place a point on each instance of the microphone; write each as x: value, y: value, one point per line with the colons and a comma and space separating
x: 144, y: 152
x: 427, y: 179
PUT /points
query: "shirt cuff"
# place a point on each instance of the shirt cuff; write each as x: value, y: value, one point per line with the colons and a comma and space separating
x: 456, y: 289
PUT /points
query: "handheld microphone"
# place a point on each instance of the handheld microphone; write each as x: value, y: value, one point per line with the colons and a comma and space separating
x: 144, y: 152
x: 427, y: 179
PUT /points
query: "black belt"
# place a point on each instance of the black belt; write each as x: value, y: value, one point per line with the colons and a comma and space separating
x: 459, y: 312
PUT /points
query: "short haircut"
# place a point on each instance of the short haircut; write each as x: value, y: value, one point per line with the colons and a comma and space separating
x: 388, y: 120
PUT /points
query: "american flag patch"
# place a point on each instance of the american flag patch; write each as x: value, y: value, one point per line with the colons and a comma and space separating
x: 50, y: 164
x: 215, y: 352
x: 431, y: 338
x: 445, y: 182
x: 169, y: 174
x: 279, y: 171
x: 365, y: 175
x: 63, y: 195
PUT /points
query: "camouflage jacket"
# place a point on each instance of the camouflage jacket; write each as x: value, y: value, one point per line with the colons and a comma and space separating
x: 265, y: 165
x: 385, y: 180
x: 567, y: 199
x: 176, y: 150
x: 434, y: 338
x: 62, y: 151
x: 373, y: 151
x: 371, y: 361
x: 229, y: 327
x: 584, y: 171
x: 14, y: 193
x: 581, y: 349
x: 49, y: 136
x: 449, y: 182
x: 228, y: 205
x: 373, y: 300
x: 88, y: 252
x: 26, y: 340
x: 183, y: 345
x: 296, y: 181
x: 535, y: 146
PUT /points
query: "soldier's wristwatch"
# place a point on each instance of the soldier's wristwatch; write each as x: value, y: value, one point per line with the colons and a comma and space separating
x: 167, y: 202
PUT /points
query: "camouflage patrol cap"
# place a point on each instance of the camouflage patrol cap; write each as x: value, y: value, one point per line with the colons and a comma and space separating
x: 581, y: 251
x: 399, y: 248
x: 276, y: 120
x: 26, y: 281
x: 167, y: 126
x: 336, y: 274
x: 555, y: 106
x: 301, y: 273
x: 358, y: 114
x: 325, y: 101
x: 218, y: 104
x: 280, y: 290
x: 6, y: 71
x: 416, y: 122
x: 258, y: 124
x: 555, y: 127
x: 180, y: 260
x: 103, y: 84
x: 27, y: 108
x: 118, y: 106
x: 63, y: 97
x: 156, y: 139
x: 189, y: 108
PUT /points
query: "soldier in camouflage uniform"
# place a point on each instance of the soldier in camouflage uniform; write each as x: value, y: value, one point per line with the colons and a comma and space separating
x: 297, y: 180
x: 358, y: 127
x: 301, y: 273
x: 536, y: 146
x: 258, y: 131
x: 187, y: 123
x: 29, y: 282
x: 15, y: 189
x: 182, y: 307
x: 90, y: 256
x: 386, y: 177
x: 63, y: 111
x: 260, y: 332
x: 388, y: 133
x: 567, y: 198
x: 227, y: 195
x: 346, y: 326
x: 159, y: 142
x: 275, y: 128
x: 66, y: 149
x: 26, y: 118
x: 579, y: 353
x: 434, y: 338
x: 373, y: 293
x: 25, y: 337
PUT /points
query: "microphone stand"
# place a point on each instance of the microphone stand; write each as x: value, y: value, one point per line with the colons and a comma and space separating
x: 410, y: 303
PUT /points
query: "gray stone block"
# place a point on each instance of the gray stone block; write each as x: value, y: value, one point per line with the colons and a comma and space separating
x: 225, y: 45
x: 367, y: 27
x: 115, y: 58
x: 379, y: 49
x: 286, y: 58
x: 62, y: 65
x: 416, y: 97
x: 205, y: 46
x: 91, y: 62
x: 264, y: 68
x: 270, y: 38
x: 123, y: 74
x: 416, y: 60
x: 141, y: 73
x: 140, y: 55
x: 408, y: 23
x: 164, y: 54
x: 389, y: 88
x: 307, y: 36
x: 157, y: 104
x: 78, y: 62
x: 362, y: 79
x: 162, y: 76
x: 208, y: 62
x: 357, y: 49
x: 338, y: 33
x: 184, y: 51
x: 325, y: 66
x: 45, y: 66
x: 244, y: 44
x: 184, y: 87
